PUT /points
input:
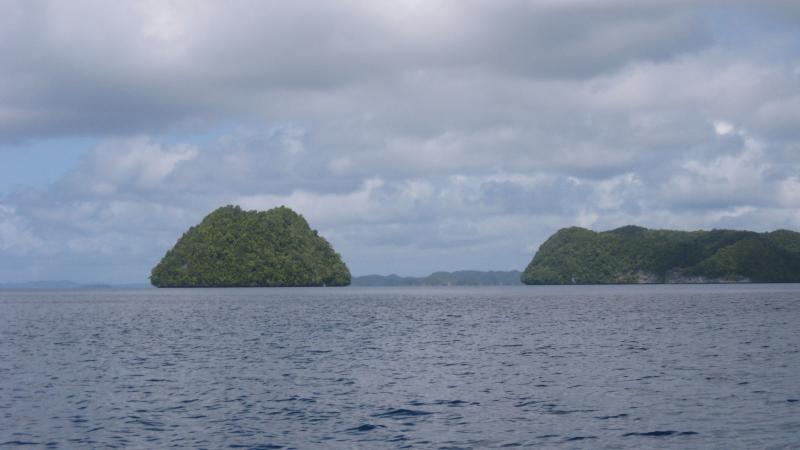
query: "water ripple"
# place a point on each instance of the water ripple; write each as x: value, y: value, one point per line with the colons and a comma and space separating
x: 519, y: 367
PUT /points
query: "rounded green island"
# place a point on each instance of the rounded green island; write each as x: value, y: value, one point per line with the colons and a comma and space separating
x: 236, y: 248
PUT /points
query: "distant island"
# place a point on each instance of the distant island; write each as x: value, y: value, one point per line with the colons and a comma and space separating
x: 457, y: 278
x: 66, y: 284
x: 634, y: 254
x: 236, y: 248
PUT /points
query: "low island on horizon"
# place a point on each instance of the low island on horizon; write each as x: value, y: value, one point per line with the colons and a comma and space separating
x: 442, y: 278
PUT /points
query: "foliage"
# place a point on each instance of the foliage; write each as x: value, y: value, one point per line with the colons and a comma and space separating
x: 232, y: 247
x: 634, y: 254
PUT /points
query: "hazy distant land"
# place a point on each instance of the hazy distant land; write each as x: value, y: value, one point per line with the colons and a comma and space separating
x: 457, y: 278
x: 66, y: 284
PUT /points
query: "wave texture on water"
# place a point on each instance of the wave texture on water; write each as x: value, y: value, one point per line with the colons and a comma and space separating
x: 506, y: 367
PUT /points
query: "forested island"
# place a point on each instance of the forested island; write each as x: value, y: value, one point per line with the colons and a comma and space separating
x: 232, y: 248
x: 634, y: 254
x: 457, y: 278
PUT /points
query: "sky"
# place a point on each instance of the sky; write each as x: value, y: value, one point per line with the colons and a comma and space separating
x: 415, y: 135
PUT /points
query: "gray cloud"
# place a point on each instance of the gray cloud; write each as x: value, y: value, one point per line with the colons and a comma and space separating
x: 96, y: 67
x: 415, y: 135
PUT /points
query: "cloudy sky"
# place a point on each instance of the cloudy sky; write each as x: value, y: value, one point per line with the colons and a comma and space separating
x: 416, y: 135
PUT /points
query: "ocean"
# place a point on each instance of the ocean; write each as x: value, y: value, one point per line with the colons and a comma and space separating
x: 678, y: 366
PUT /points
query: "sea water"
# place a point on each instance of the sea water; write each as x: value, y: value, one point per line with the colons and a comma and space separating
x: 713, y: 366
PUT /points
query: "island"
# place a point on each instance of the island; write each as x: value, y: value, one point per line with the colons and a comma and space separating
x: 236, y: 248
x: 633, y: 254
x: 457, y: 278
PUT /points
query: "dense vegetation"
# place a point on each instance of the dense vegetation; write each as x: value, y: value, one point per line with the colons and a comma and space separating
x: 232, y: 247
x: 457, y: 278
x: 638, y: 255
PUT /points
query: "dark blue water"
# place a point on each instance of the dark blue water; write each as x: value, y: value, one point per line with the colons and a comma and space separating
x: 347, y: 368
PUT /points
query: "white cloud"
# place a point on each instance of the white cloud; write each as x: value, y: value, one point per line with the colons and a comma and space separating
x: 722, y: 128
x: 153, y: 66
x: 490, y: 216
x: 612, y: 193
x: 15, y: 236
x: 789, y: 193
x: 138, y: 162
x: 325, y: 208
x: 415, y: 135
x: 586, y: 218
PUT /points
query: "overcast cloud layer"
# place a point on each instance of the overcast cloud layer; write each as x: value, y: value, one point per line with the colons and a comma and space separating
x: 415, y: 135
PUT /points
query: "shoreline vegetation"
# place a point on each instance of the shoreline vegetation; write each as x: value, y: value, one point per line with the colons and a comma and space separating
x: 277, y: 248
x: 236, y: 248
x: 232, y: 247
x: 636, y: 255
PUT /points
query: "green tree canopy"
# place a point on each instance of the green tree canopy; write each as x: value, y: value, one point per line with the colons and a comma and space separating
x: 233, y: 247
x: 634, y: 254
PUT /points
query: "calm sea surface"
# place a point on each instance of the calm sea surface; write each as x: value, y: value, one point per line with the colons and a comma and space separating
x: 373, y: 368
